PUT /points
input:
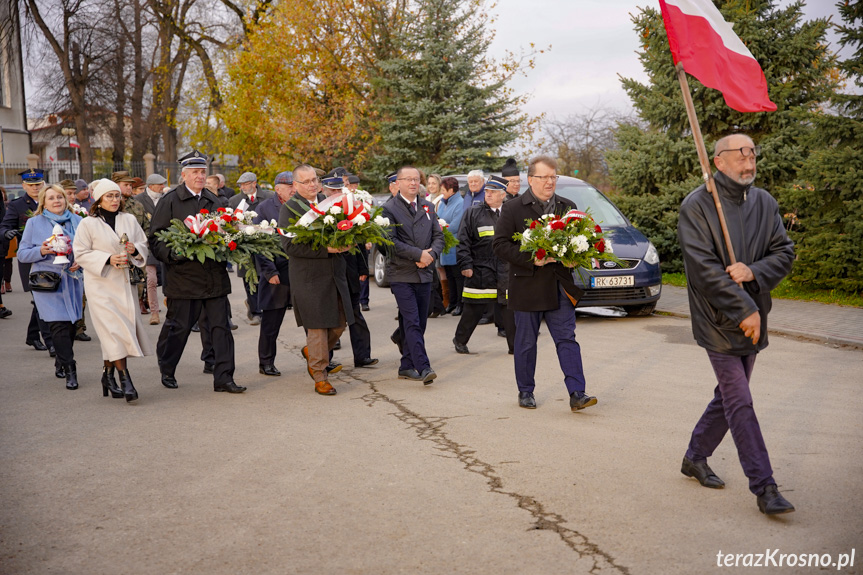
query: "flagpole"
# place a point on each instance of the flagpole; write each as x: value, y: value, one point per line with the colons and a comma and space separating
x: 707, y: 172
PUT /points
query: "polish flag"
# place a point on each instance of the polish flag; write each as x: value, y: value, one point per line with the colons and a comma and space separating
x: 711, y: 51
x: 74, y: 144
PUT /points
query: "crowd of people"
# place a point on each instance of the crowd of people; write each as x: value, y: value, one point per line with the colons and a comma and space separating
x: 118, y: 260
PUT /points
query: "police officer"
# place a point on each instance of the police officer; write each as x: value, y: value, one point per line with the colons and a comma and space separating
x: 192, y: 286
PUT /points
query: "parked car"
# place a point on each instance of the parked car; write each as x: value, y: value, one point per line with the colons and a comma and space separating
x: 636, y: 286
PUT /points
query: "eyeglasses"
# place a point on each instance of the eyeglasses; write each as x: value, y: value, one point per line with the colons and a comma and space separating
x: 308, y: 182
x: 745, y: 151
x: 546, y: 178
x: 111, y: 196
x: 409, y: 180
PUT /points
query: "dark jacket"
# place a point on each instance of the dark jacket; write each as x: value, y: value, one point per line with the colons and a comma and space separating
x: 150, y: 208
x: 317, y: 277
x: 272, y: 296
x: 415, y: 234
x: 356, y: 265
x: 261, y: 196
x: 14, y: 220
x: 531, y: 288
x: 475, y: 252
x: 187, y: 279
x: 717, y: 305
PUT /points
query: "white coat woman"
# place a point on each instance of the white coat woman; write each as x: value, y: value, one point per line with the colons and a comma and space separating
x: 111, y: 297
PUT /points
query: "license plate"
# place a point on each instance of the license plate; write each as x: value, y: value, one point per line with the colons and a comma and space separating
x: 612, y: 281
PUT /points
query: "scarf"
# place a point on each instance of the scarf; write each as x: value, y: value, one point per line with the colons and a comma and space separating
x: 66, y: 221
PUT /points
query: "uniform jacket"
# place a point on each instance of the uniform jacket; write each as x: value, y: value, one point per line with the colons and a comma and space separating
x: 356, y: 265
x: 185, y: 278
x: 272, y: 296
x: 111, y: 298
x: 451, y: 211
x: 475, y: 252
x: 15, y: 218
x: 149, y: 208
x: 717, y: 304
x: 531, y: 288
x: 65, y: 304
x: 134, y: 207
x: 416, y: 233
x: 317, y: 278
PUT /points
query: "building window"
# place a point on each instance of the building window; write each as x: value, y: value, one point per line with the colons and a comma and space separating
x: 66, y: 154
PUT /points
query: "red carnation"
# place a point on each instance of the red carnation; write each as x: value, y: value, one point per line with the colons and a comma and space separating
x: 558, y: 225
x: 600, y: 246
x: 367, y: 216
x: 226, y: 218
x: 205, y: 212
x: 222, y: 210
x: 597, y: 229
x: 540, y: 254
x: 213, y: 227
x: 533, y: 224
x: 232, y: 246
x: 345, y: 225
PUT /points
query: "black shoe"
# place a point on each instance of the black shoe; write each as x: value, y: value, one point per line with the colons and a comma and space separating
x: 526, y: 400
x: 427, y: 376
x: 396, y: 341
x: 230, y: 387
x: 195, y: 328
x: 209, y: 367
x: 457, y: 310
x: 334, y: 367
x: 109, y: 383
x: 169, y: 381
x: 580, y: 400
x: 460, y: 347
x: 449, y: 308
x: 36, y: 344
x: 71, y: 371
x: 268, y: 370
x: 484, y: 321
x: 51, y: 351
x: 411, y: 374
x: 434, y: 314
x: 5, y: 312
x: 771, y: 502
x: 367, y: 362
x: 59, y: 371
x: 338, y: 345
x: 232, y: 325
x: 501, y: 333
x: 256, y: 320
x: 365, y: 307
x: 83, y: 336
x: 129, y: 391
x: 702, y: 472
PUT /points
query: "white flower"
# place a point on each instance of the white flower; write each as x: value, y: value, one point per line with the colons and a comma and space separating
x: 329, y: 220
x: 608, y: 249
x: 525, y: 236
x: 251, y: 214
x: 547, y: 216
x: 382, y: 221
x: 274, y: 223
x: 264, y: 224
x: 229, y: 211
x: 442, y: 222
x: 335, y: 210
x: 559, y: 249
x: 580, y: 244
x: 302, y: 223
x: 249, y: 230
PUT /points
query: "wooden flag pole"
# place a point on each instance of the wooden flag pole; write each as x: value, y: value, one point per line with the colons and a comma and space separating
x: 707, y: 172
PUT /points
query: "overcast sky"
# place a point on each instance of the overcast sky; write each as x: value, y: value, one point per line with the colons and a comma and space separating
x: 592, y: 42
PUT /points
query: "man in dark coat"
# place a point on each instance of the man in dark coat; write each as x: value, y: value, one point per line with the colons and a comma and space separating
x: 249, y: 193
x: 418, y: 243
x: 192, y: 286
x: 274, y: 287
x: 481, y: 269
x: 510, y: 173
x: 729, y: 306
x: 18, y: 212
x: 540, y: 289
x: 319, y: 287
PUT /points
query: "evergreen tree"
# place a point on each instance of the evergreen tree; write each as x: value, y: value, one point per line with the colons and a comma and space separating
x: 654, y: 169
x: 444, y: 107
x: 827, y: 202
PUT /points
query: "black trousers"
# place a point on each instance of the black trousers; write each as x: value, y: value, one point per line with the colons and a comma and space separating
x: 508, y: 325
x: 456, y: 284
x: 471, y: 313
x: 63, y: 335
x: 361, y: 337
x: 271, y: 323
x: 37, y: 327
x: 182, y: 315
x: 436, y: 301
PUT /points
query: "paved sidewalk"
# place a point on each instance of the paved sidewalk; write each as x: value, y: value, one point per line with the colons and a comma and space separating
x: 834, y: 324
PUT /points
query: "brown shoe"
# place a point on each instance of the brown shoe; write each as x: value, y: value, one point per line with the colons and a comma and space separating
x: 154, y: 319
x: 324, y: 388
x: 144, y: 309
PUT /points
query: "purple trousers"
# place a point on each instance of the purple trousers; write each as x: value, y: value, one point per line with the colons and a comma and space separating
x: 731, y: 408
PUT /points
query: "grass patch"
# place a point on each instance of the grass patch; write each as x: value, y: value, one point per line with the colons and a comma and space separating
x: 789, y: 290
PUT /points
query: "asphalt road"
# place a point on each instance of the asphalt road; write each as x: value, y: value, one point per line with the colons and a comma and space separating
x: 391, y: 476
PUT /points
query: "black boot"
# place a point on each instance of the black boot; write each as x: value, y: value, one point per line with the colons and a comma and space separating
x: 71, y: 371
x: 126, y: 383
x: 59, y: 370
x: 109, y: 383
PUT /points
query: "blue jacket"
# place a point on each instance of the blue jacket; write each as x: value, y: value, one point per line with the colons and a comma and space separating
x: 451, y: 211
x: 67, y: 303
x: 471, y: 199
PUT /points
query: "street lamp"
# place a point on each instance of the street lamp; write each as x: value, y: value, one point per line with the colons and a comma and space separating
x: 69, y: 131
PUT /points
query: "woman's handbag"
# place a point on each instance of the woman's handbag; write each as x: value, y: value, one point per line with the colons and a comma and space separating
x: 44, y: 281
x: 137, y: 275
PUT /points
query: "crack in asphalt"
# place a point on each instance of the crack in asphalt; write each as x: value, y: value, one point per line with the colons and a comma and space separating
x: 432, y: 429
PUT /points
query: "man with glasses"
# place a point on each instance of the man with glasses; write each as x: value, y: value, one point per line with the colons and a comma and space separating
x: 319, y: 285
x: 510, y: 173
x: 418, y: 242
x: 729, y: 305
x: 540, y: 289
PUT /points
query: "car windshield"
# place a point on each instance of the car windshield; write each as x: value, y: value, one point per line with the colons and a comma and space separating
x: 588, y: 198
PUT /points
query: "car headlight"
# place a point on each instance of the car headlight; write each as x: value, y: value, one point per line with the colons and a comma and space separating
x: 652, y: 256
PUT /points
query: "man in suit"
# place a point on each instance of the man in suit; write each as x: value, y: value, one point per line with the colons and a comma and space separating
x: 191, y: 286
x: 540, y: 289
x: 319, y: 286
x: 249, y: 192
x: 12, y: 226
x: 418, y: 243
x: 274, y: 287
